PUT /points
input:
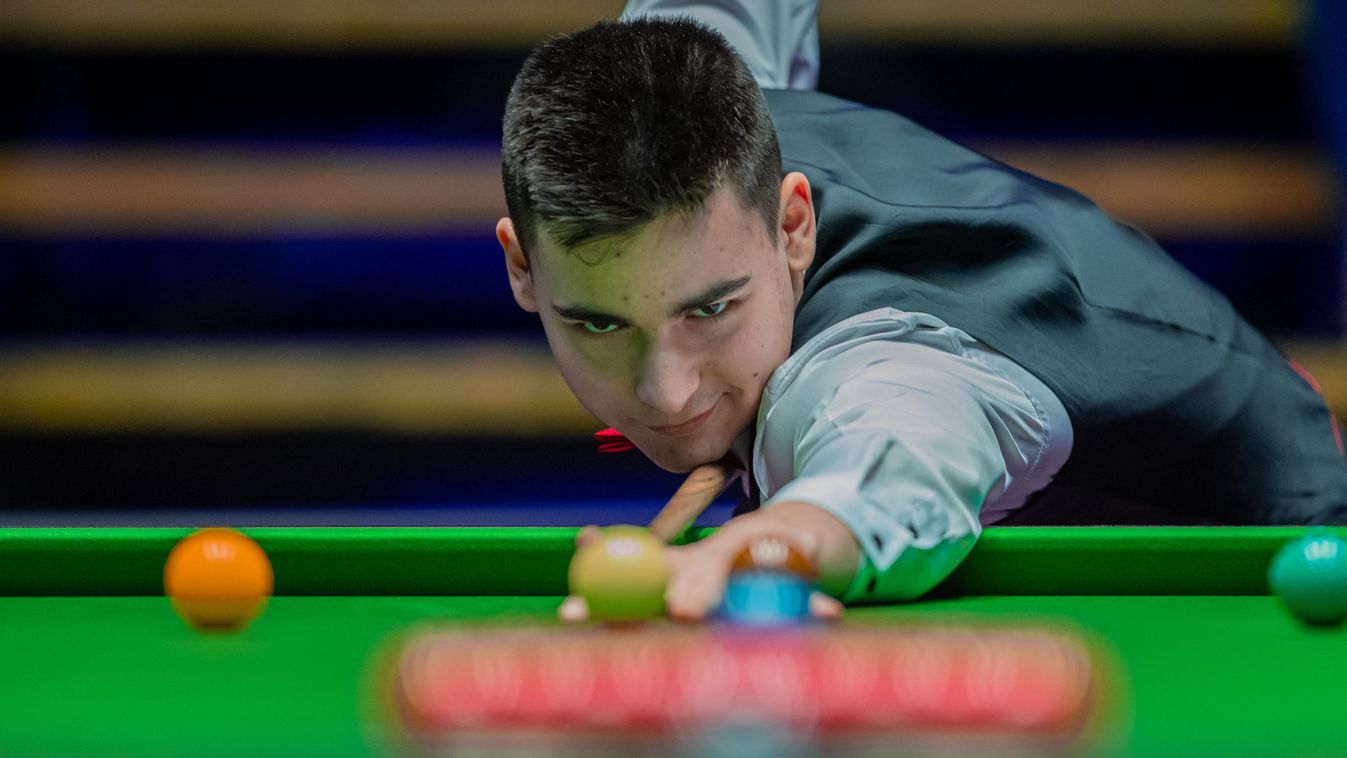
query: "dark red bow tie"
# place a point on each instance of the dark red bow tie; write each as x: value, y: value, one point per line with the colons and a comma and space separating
x: 613, y: 441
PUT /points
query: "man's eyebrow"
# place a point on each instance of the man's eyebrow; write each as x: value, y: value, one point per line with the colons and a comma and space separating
x: 705, y: 297
x: 581, y: 313
x: 711, y: 294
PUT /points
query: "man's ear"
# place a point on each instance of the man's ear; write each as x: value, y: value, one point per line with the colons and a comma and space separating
x: 517, y: 266
x: 797, y: 224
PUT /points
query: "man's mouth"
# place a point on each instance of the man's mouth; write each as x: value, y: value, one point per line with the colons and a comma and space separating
x: 686, y: 427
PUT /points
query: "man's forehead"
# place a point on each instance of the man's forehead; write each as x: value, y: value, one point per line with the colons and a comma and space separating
x: 675, y: 259
x: 645, y: 270
x: 684, y: 235
x: 662, y: 238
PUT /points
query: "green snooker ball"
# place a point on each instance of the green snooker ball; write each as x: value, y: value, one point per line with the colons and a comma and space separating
x: 621, y: 575
x: 1310, y: 576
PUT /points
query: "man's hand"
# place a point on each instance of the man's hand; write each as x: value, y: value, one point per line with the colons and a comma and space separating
x: 698, y: 572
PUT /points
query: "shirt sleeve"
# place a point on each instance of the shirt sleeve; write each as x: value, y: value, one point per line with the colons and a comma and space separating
x: 777, y: 39
x: 904, y: 442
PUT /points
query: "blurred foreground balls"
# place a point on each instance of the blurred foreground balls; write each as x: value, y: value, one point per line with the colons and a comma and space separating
x: 1310, y: 576
x: 218, y: 579
x: 621, y: 575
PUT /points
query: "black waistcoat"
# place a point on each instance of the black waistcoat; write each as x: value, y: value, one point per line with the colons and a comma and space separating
x: 1175, y: 400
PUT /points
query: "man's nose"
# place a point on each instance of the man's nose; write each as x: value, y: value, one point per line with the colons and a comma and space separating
x: 668, y: 381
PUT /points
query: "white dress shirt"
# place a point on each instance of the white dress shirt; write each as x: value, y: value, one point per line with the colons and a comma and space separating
x: 911, y: 432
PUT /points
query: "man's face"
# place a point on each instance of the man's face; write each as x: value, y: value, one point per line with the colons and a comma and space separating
x: 670, y: 334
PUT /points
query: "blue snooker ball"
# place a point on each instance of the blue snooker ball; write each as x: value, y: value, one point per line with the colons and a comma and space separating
x: 765, y: 598
x: 1310, y: 576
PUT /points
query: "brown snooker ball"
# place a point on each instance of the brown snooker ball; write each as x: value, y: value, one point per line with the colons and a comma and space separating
x: 774, y: 554
x: 621, y: 575
x: 218, y: 579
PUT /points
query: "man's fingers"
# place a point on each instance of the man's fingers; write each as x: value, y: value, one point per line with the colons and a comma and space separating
x: 573, y: 609
x: 825, y: 607
x: 694, y: 593
x: 697, y: 596
x: 586, y: 536
x: 698, y: 574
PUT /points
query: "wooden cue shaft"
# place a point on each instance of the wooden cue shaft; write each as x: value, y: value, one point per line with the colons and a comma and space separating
x: 700, y: 489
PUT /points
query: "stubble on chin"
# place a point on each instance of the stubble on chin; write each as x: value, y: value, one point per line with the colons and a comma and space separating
x: 680, y: 460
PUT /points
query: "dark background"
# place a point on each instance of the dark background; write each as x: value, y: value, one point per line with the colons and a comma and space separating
x: 119, y: 288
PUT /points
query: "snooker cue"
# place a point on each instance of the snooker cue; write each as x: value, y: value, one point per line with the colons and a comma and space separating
x: 701, y: 488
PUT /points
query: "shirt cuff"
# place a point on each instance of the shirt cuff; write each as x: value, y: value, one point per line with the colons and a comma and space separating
x: 895, y: 563
x: 905, y: 579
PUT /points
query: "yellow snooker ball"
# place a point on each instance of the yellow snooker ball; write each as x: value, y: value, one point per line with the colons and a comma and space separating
x: 621, y: 575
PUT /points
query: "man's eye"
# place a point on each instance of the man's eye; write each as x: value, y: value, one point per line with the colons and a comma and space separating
x: 712, y: 310
x: 599, y: 327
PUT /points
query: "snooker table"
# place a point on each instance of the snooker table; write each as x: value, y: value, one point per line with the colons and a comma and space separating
x: 94, y: 662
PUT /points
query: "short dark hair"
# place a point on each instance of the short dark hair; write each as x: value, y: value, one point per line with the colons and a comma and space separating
x: 608, y: 128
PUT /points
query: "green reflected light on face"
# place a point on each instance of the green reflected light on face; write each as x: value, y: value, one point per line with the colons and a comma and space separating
x: 649, y: 303
x: 706, y: 312
x: 599, y: 328
x: 712, y: 310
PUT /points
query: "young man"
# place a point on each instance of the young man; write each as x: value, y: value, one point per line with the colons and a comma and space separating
x: 901, y: 340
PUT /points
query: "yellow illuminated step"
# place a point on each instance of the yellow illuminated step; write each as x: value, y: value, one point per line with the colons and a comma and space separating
x: 1170, y: 189
x: 490, y: 24
x: 406, y: 387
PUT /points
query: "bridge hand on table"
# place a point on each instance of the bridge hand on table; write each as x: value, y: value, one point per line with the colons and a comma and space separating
x: 697, y: 573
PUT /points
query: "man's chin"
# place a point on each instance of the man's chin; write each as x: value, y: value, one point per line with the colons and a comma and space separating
x: 686, y: 458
